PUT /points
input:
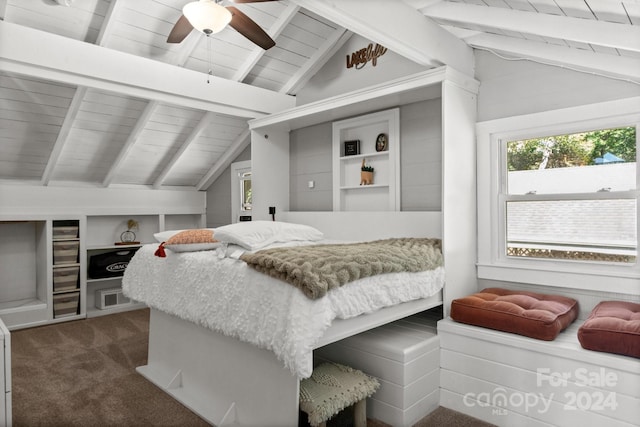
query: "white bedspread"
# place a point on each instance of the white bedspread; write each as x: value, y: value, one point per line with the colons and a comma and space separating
x: 226, y: 295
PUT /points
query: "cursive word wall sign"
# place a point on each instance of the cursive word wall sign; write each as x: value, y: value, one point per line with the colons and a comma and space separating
x: 360, y: 57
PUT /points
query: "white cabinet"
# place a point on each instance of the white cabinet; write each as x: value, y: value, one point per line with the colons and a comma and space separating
x: 349, y: 192
x: 39, y: 270
x: 45, y: 252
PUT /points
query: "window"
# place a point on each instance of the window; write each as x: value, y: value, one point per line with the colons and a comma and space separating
x: 245, y: 191
x: 558, y: 198
x: 241, y: 191
x: 571, y: 196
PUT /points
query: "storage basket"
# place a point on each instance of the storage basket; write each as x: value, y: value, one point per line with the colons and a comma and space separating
x: 65, y: 232
x: 110, y: 264
x: 66, y: 304
x: 65, y: 278
x: 65, y: 252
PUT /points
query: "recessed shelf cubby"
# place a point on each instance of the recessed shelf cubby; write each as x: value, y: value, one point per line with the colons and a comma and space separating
x: 349, y: 192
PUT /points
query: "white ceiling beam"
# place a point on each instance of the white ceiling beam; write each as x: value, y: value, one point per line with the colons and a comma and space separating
x: 109, y: 22
x: 243, y: 140
x: 130, y: 142
x: 32, y: 52
x: 242, y: 72
x: 621, y: 1
x: 275, y: 30
x: 78, y: 97
x: 620, y: 67
x: 3, y: 8
x: 398, y: 27
x: 193, y: 136
x: 187, y: 47
x: 317, y: 60
x: 240, y: 143
x: 65, y: 129
x: 589, y: 31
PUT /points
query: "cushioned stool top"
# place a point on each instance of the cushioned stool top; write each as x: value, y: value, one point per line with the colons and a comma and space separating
x: 331, y: 388
x: 612, y: 327
x: 526, y: 313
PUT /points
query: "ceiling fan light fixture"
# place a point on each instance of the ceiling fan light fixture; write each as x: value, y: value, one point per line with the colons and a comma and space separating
x: 207, y: 16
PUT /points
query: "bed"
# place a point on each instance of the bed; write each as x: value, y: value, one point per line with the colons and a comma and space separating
x: 231, y: 342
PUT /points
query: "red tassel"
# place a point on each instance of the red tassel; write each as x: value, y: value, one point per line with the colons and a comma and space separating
x: 160, y: 251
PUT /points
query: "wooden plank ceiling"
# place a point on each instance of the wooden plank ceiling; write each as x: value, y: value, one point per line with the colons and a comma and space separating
x: 156, y: 122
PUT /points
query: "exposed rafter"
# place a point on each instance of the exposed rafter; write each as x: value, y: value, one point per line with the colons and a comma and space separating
x: 242, y: 72
x: 588, y: 31
x: 240, y: 143
x: 594, y: 36
x: 130, y: 142
x: 78, y: 97
x: 625, y: 68
x: 65, y: 129
x: 187, y: 47
x: 94, y: 66
x: 204, y: 122
x: 109, y: 22
x: 3, y: 8
x: 273, y: 32
x: 401, y: 29
x: 317, y: 60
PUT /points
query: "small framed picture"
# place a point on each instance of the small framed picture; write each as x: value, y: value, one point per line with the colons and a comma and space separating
x: 382, y: 142
x: 351, y: 148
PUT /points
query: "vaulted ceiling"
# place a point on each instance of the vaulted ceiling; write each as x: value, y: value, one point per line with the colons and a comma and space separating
x: 91, y: 93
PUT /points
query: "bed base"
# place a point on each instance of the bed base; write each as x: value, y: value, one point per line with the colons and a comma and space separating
x: 229, y: 382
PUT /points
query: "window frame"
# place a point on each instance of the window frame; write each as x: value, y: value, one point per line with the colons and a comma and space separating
x: 493, y: 263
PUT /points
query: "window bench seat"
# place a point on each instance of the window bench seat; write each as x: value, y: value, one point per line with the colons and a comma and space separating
x: 511, y: 380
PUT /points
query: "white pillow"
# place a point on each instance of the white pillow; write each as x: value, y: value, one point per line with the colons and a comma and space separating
x: 254, y: 235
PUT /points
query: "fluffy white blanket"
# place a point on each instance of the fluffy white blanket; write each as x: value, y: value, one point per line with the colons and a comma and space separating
x: 226, y: 295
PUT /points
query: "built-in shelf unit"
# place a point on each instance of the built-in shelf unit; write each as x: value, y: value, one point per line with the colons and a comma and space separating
x: 349, y: 193
x: 362, y: 114
x: 45, y: 250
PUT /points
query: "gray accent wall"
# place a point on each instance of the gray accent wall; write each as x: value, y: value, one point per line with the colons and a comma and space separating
x: 310, y: 160
x: 420, y: 161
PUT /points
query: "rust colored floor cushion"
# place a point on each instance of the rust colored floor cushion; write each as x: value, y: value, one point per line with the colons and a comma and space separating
x: 530, y: 314
x: 612, y: 327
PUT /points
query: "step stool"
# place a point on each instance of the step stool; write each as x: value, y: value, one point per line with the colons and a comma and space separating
x: 333, y: 387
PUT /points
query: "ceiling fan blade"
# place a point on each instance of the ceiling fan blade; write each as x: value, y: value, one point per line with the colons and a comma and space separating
x: 181, y: 30
x: 248, y: 28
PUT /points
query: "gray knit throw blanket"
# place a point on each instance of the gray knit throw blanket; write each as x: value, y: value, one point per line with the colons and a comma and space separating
x: 318, y: 268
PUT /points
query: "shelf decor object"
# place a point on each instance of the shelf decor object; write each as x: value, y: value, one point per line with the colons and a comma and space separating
x: 382, y: 142
x: 128, y: 237
x: 366, y: 173
x: 352, y: 148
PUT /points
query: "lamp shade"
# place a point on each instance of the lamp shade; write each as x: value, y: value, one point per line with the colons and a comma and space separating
x: 207, y: 16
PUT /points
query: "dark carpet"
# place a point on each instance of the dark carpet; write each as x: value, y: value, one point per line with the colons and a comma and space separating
x: 82, y: 373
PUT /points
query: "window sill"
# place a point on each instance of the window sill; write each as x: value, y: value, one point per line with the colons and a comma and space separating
x: 623, y: 282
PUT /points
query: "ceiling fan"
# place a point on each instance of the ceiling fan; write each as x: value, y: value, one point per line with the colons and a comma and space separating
x: 210, y: 17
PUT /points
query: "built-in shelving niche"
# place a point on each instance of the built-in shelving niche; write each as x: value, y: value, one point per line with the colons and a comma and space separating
x: 24, y: 260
